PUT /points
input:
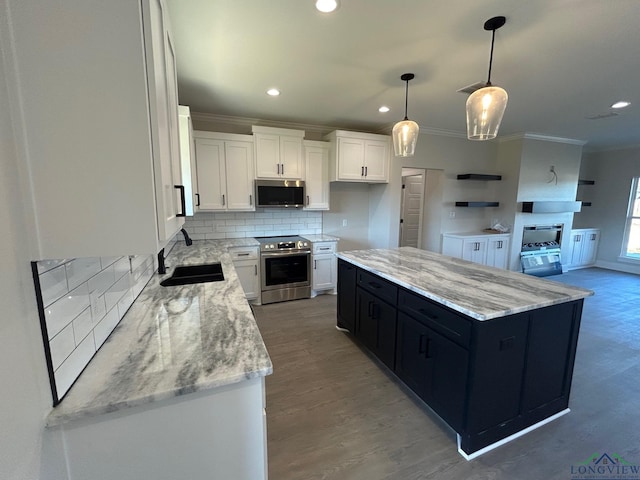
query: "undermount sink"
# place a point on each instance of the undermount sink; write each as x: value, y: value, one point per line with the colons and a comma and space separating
x: 188, y: 274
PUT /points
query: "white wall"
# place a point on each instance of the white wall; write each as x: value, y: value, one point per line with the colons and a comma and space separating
x: 25, y: 398
x: 350, y: 202
x: 612, y: 172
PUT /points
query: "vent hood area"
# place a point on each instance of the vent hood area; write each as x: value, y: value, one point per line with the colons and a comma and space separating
x: 551, y: 207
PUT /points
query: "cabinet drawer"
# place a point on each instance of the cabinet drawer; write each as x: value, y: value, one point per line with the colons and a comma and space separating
x: 239, y: 253
x: 324, y: 247
x: 382, y: 289
x: 442, y: 320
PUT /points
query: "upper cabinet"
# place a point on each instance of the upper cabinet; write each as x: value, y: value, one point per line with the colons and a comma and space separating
x: 359, y: 157
x: 278, y: 152
x: 224, y: 172
x: 103, y: 149
x: 187, y: 157
x: 316, y: 165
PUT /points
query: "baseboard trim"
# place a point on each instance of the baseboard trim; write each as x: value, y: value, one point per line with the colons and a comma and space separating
x: 493, y: 446
x: 620, y: 267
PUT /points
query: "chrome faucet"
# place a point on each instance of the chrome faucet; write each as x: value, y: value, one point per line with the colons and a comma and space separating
x: 187, y: 239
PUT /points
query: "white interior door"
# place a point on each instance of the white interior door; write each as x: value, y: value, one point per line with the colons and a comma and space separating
x: 411, y: 218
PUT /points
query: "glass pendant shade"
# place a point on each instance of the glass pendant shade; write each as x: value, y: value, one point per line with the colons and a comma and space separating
x: 485, y: 108
x: 405, y: 137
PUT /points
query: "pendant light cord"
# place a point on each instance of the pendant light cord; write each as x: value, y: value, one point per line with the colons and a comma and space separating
x: 406, y: 100
x: 493, y: 38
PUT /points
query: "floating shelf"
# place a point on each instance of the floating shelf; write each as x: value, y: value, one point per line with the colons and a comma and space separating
x: 477, y: 204
x: 586, y: 182
x: 586, y: 204
x: 478, y: 176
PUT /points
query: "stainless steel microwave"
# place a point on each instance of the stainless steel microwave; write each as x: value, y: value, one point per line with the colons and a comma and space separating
x: 280, y: 193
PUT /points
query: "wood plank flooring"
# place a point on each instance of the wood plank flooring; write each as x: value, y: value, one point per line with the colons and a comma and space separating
x: 335, y: 412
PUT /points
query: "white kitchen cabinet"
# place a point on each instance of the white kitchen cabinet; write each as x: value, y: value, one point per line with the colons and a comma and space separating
x: 187, y: 157
x: 491, y: 250
x: 224, y: 172
x: 278, y: 152
x: 583, y: 247
x: 316, y: 163
x: 247, y: 265
x: 323, y: 267
x: 100, y: 119
x: 359, y: 157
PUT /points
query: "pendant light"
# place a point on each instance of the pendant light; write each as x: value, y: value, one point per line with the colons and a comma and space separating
x: 405, y: 133
x: 486, y: 106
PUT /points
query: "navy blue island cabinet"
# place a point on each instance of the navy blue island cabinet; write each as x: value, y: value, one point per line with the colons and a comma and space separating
x: 489, y: 380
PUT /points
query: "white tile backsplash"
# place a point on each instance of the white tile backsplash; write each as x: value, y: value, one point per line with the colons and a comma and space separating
x: 264, y: 222
x: 84, y: 299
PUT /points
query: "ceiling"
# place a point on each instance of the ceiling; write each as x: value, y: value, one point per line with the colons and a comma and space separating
x: 560, y: 61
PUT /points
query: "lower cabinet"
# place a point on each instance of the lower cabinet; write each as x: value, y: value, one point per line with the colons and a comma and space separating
x: 583, y: 247
x: 486, y: 379
x: 491, y: 249
x: 323, y: 267
x: 245, y: 261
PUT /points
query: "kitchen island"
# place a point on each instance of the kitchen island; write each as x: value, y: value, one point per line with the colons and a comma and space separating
x: 177, y: 390
x: 490, y: 351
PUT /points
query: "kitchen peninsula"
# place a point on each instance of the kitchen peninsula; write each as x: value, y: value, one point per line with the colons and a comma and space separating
x: 177, y: 391
x: 490, y: 351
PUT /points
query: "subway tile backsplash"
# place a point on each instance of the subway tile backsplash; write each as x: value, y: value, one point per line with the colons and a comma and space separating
x: 83, y: 300
x: 262, y: 223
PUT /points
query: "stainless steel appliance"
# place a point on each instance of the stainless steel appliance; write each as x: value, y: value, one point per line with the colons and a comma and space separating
x: 285, y: 268
x: 540, y: 254
x: 280, y: 193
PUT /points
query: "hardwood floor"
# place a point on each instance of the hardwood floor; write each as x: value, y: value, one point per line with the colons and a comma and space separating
x: 335, y: 412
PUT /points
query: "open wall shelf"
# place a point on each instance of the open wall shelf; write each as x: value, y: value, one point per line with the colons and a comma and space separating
x: 478, y: 176
x: 586, y: 182
x: 477, y: 204
x: 586, y: 204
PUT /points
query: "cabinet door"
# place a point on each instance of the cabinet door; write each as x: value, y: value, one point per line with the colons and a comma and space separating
x: 210, y: 171
x: 376, y: 161
x: 446, y: 384
x: 247, y: 271
x: 324, y: 272
x: 164, y: 107
x: 498, y: 252
x: 589, y: 247
x: 267, y: 155
x: 346, y: 295
x: 350, y: 152
x: 239, y: 175
x: 411, y: 363
x: 576, y: 248
x: 317, y: 178
x: 291, y: 157
x: 376, y: 326
x: 475, y: 249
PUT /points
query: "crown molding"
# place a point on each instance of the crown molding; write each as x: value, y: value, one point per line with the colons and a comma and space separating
x: 545, y: 138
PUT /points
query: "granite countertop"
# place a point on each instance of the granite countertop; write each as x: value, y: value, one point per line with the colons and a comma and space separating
x: 475, y: 290
x: 173, y: 341
x: 320, y: 238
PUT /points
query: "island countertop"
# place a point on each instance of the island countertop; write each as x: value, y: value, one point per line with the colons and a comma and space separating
x: 173, y: 341
x: 478, y: 291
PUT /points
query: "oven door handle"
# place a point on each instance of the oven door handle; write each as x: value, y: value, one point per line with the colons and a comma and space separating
x: 282, y: 254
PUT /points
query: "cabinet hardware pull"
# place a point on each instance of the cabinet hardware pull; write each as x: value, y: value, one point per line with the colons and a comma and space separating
x: 256, y: 269
x: 324, y: 248
x: 282, y: 164
x: 499, y: 244
x: 243, y: 254
x: 315, y: 264
x: 422, y: 343
x: 223, y: 201
x: 593, y: 236
x: 375, y: 311
x: 278, y: 168
x: 366, y: 171
x: 183, y: 201
x: 307, y: 200
x: 427, y: 348
x: 198, y: 200
x: 250, y: 199
x: 375, y: 285
x: 370, y: 308
x: 362, y: 171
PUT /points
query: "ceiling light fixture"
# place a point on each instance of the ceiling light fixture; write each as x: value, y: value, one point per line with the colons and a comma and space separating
x: 383, y: 109
x: 486, y: 106
x: 405, y: 133
x: 273, y: 92
x: 621, y: 104
x: 326, y: 6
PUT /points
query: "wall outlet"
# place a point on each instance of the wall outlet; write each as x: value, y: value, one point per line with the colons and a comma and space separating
x: 452, y: 214
x: 344, y: 222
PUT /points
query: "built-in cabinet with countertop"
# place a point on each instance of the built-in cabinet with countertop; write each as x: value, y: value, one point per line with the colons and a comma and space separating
x: 487, y: 249
x: 278, y: 153
x: 105, y: 186
x: 489, y: 370
x: 316, y: 174
x: 224, y: 172
x: 359, y: 157
x: 324, y: 272
x: 583, y: 247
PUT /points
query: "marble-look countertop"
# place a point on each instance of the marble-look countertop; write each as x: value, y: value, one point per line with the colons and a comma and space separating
x: 173, y: 341
x: 320, y: 238
x: 475, y: 290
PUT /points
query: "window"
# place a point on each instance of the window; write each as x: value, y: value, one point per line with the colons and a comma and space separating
x: 631, y: 245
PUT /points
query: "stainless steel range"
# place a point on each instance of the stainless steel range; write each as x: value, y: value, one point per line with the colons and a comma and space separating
x: 285, y: 268
x: 540, y: 254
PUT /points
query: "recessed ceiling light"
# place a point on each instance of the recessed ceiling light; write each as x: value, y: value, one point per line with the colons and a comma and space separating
x: 326, y: 6
x: 274, y: 92
x: 621, y: 104
x: 383, y: 109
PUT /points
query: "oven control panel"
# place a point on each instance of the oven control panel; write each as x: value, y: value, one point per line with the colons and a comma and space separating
x: 299, y: 245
